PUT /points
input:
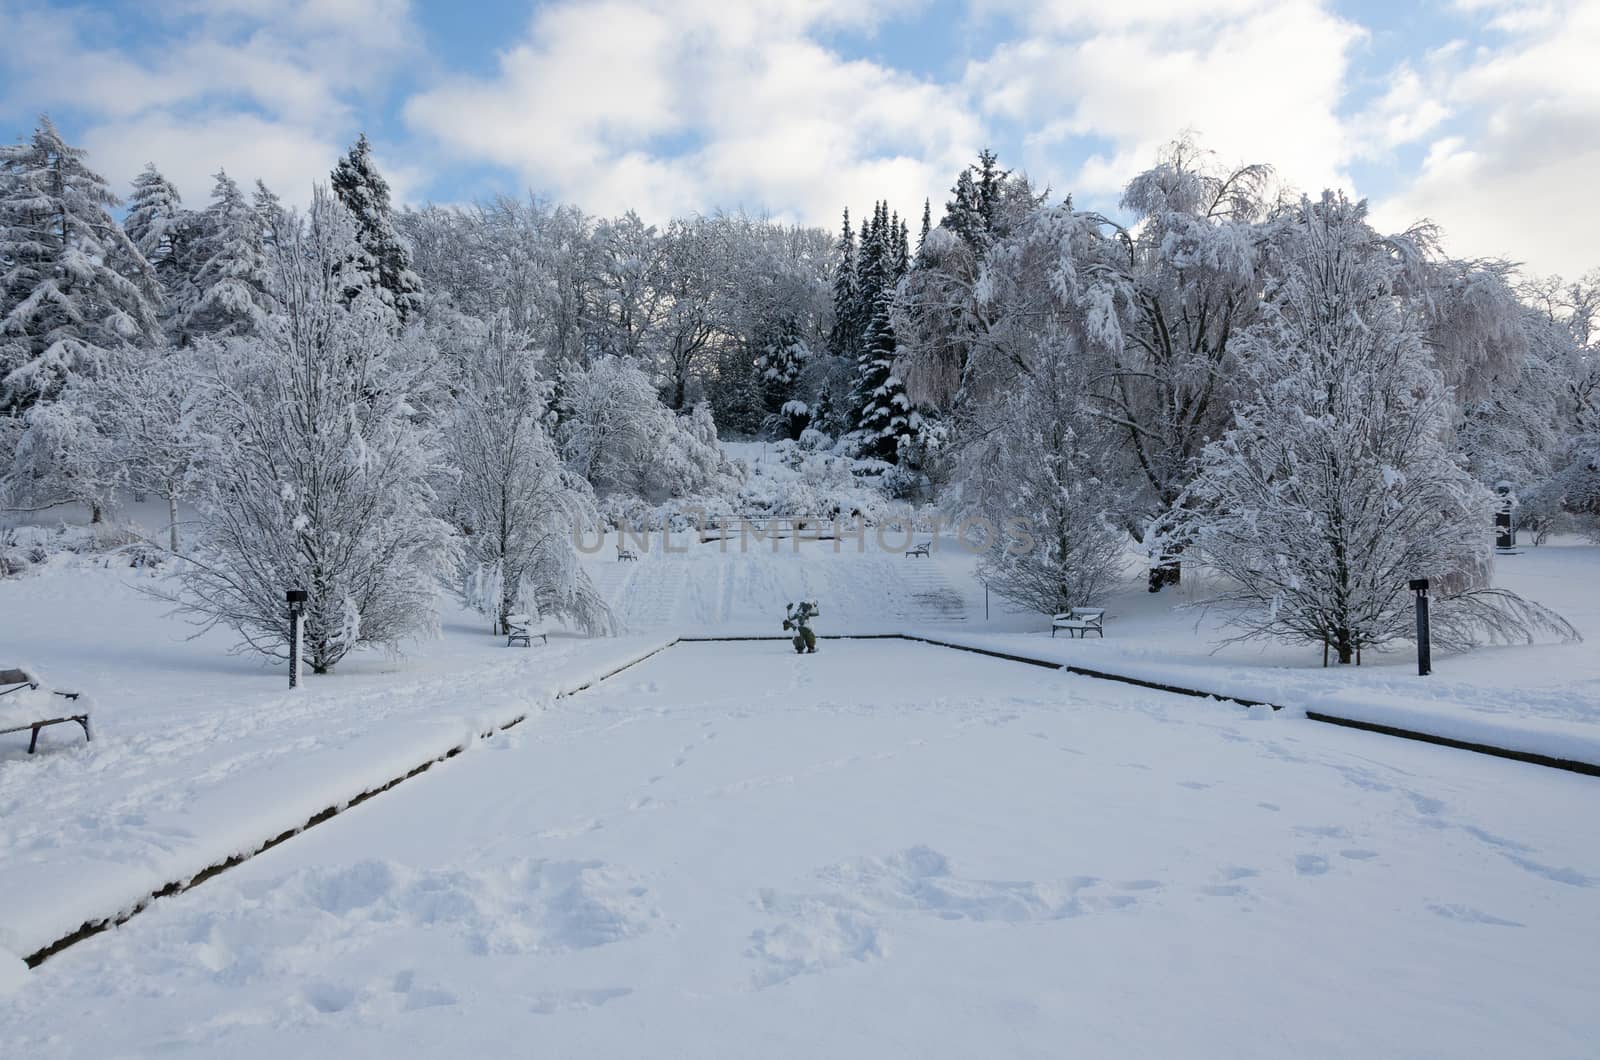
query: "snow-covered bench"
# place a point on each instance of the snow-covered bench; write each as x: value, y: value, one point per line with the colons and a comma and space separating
x: 1080, y: 622
x: 626, y: 555
x: 920, y: 549
x: 25, y: 703
x: 524, y: 629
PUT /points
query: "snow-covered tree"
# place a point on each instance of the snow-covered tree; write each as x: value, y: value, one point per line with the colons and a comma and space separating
x: 62, y: 456
x: 151, y: 418
x: 163, y: 231
x: 627, y: 295
x: 72, y: 284
x: 618, y: 435
x: 229, y: 290
x: 364, y: 192
x: 317, y: 475
x: 1186, y: 280
x: 1337, y: 483
x: 517, y: 501
x: 1037, y: 478
x: 884, y: 419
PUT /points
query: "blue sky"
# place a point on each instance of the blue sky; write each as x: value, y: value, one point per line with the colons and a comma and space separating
x: 1482, y: 114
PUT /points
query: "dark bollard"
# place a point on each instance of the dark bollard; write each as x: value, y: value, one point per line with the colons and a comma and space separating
x: 1424, y: 650
x: 297, y: 610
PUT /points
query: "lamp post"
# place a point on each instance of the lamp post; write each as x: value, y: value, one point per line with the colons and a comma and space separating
x: 297, y: 611
x: 1424, y: 651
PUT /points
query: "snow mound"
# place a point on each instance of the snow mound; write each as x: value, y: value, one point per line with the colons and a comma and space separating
x: 13, y: 972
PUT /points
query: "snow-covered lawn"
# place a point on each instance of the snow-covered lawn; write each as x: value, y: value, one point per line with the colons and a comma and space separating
x: 886, y: 849
x: 199, y: 755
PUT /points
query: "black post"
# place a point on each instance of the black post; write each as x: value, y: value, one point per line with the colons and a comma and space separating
x: 1424, y: 650
x: 297, y: 610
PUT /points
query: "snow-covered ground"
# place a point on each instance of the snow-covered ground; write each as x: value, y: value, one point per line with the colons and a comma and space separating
x: 933, y: 851
x: 885, y: 849
x: 199, y: 755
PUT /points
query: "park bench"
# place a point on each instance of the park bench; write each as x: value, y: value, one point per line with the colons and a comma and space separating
x: 626, y: 555
x: 1080, y: 622
x: 920, y: 549
x: 522, y: 628
x: 26, y: 704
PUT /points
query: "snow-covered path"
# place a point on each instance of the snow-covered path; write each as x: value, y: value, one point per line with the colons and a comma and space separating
x: 886, y: 849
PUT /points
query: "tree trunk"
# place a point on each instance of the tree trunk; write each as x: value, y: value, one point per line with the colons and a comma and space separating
x: 172, y: 523
x: 94, y: 513
x: 1164, y: 574
x: 1345, y: 645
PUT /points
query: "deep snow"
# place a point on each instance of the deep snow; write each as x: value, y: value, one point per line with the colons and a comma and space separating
x: 883, y: 849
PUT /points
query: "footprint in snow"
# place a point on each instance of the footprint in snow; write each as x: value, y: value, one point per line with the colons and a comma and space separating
x: 328, y: 998
x: 553, y: 1001
x: 1222, y: 890
x: 1358, y: 854
x: 1310, y: 864
x: 420, y: 997
x: 1327, y: 831
x: 1469, y: 915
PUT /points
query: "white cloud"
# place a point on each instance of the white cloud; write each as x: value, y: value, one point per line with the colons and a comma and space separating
x: 671, y: 107
x: 262, y: 87
x: 1255, y: 82
x: 1514, y: 176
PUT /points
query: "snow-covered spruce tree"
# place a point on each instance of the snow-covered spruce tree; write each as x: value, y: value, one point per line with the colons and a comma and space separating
x: 517, y: 501
x: 229, y: 289
x: 364, y: 192
x: 1337, y: 483
x: 63, y: 300
x: 884, y: 419
x: 317, y: 476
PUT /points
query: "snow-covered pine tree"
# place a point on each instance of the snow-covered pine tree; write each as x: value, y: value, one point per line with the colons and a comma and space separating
x: 517, y: 500
x: 364, y: 192
x: 1337, y: 483
x: 63, y: 300
x: 229, y: 290
x: 317, y: 475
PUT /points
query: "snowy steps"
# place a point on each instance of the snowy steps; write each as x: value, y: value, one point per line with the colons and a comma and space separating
x: 709, y: 588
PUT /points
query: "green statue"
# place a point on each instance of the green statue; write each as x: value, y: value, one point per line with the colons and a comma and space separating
x: 798, y: 618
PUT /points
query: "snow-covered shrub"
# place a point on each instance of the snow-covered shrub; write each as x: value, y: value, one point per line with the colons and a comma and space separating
x: 902, y: 482
x: 615, y: 432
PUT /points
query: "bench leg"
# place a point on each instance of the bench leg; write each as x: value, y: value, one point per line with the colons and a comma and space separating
x: 35, y: 741
x: 84, y: 721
